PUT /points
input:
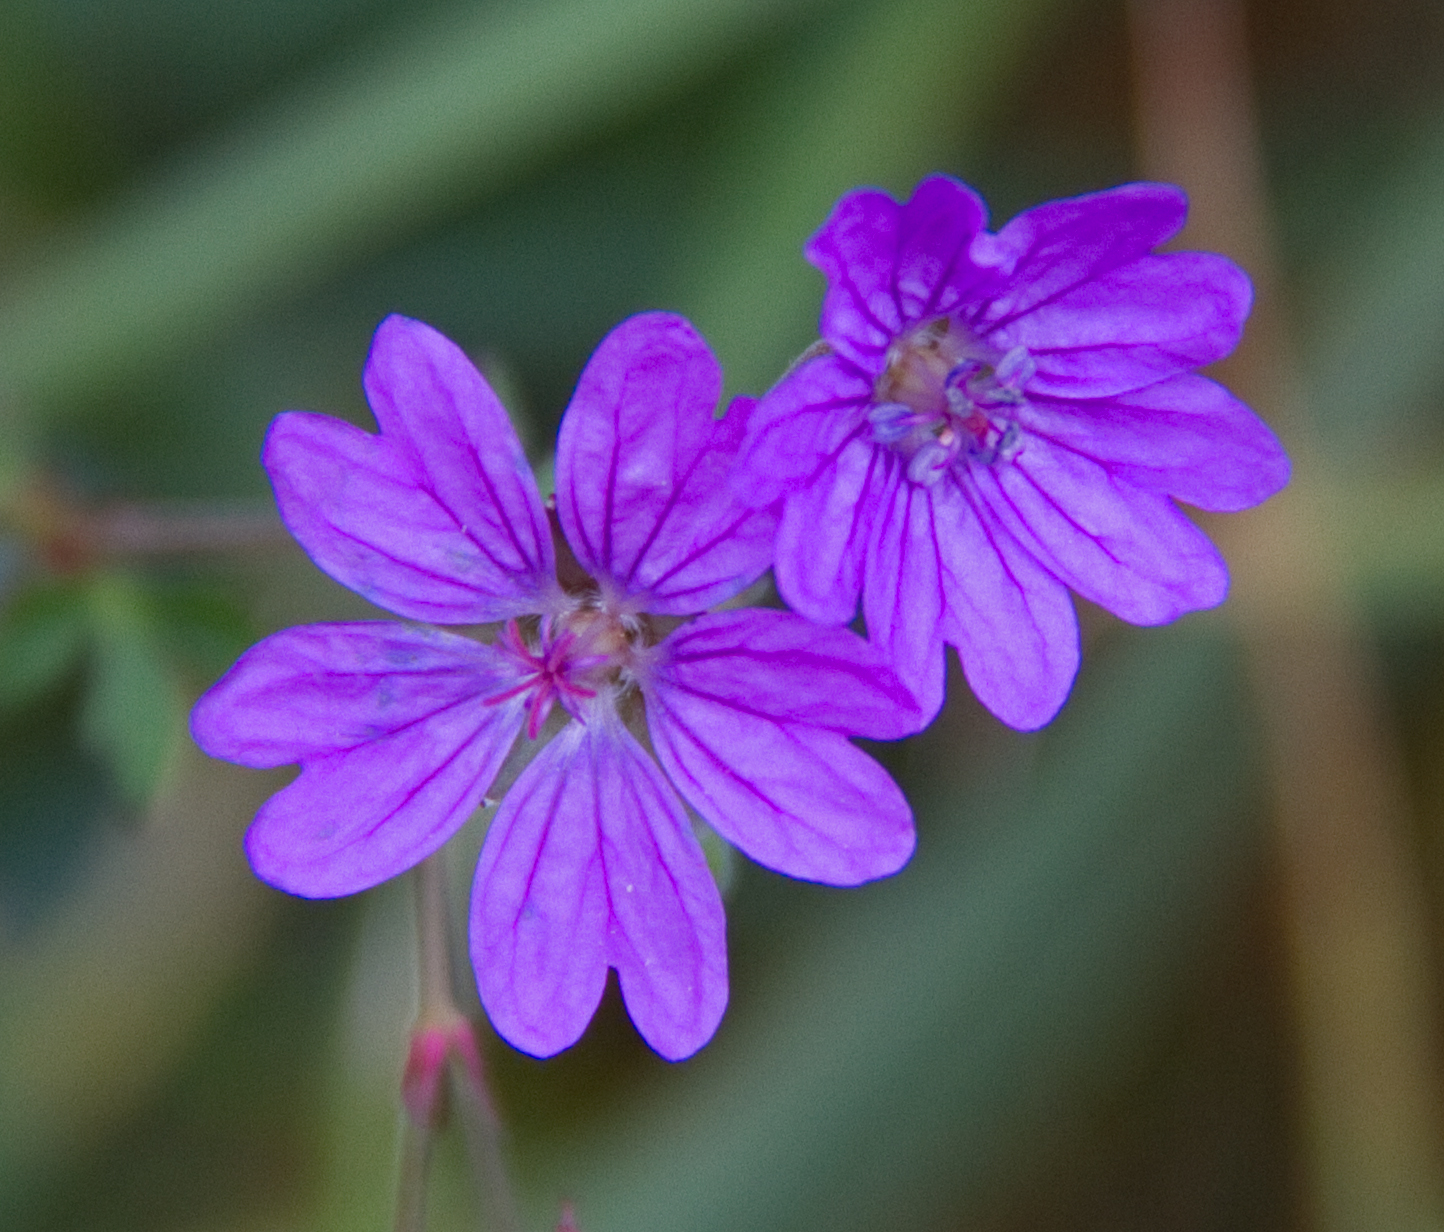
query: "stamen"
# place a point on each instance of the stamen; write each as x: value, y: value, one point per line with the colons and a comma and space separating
x: 1015, y: 369
x: 891, y: 421
x: 932, y: 413
x: 930, y: 463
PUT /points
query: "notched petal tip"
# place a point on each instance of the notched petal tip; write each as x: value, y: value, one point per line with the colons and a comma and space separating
x: 400, y: 344
x: 1159, y: 206
x: 644, y: 473
x: 1058, y: 246
x: 889, y: 266
x: 942, y: 193
x: 591, y: 863
x: 397, y: 330
x: 651, y: 333
x: 438, y: 516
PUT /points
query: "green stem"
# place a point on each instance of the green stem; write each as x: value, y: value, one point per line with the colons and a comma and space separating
x: 411, y: 1184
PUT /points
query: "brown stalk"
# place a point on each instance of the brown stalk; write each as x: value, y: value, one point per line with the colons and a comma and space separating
x: 1362, y: 974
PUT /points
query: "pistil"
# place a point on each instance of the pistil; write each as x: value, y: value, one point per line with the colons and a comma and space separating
x: 550, y: 672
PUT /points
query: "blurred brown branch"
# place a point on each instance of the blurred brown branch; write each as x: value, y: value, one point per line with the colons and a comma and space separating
x: 68, y: 534
x: 1362, y: 972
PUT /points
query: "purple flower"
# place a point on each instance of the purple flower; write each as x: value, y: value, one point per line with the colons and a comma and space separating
x: 591, y: 861
x: 993, y: 419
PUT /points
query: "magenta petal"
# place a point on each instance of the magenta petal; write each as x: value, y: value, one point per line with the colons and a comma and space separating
x: 889, y: 265
x: 1133, y: 326
x: 747, y: 712
x: 1126, y: 549
x: 1052, y: 248
x: 591, y: 862
x: 1012, y: 622
x: 1188, y: 437
x: 539, y: 908
x: 787, y: 669
x: 799, y: 426
x: 430, y: 399
x: 318, y: 689
x: 395, y: 739
x: 643, y: 470
x: 668, y: 939
x: 823, y: 535
x: 902, y: 593
x: 438, y: 518
x: 358, y: 508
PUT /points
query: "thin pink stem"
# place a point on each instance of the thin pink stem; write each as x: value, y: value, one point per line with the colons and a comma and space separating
x: 444, y: 1071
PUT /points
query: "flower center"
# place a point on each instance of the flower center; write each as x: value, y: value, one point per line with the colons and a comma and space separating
x: 944, y: 396
x: 575, y: 656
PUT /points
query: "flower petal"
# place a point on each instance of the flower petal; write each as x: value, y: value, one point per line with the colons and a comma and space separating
x: 1011, y: 620
x: 1126, y: 549
x: 1054, y: 247
x: 438, y: 518
x: 396, y: 742
x: 425, y: 391
x: 642, y: 472
x: 668, y: 939
x: 778, y: 665
x: 889, y: 266
x: 1187, y: 436
x: 539, y: 907
x: 317, y: 689
x: 1133, y: 326
x: 823, y: 535
x: 902, y: 591
x: 747, y: 713
x: 799, y: 426
x: 591, y: 862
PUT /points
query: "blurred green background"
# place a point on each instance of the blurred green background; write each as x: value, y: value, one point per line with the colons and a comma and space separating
x: 1086, y: 1005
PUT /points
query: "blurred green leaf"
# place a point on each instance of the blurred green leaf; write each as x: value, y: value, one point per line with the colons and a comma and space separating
x: 53, y: 145
x: 237, y: 1102
x: 55, y: 800
x: 201, y: 625
x: 42, y: 634
x: 98, y: 1006
x: 1390, y: 535
x: 132, y: 715
x: 470, y: 98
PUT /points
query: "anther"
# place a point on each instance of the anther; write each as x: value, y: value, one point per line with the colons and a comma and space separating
x: 891, y: 421
x: 930, y: 463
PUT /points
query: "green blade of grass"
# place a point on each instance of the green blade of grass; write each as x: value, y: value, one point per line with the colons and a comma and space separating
x: 456, y: 107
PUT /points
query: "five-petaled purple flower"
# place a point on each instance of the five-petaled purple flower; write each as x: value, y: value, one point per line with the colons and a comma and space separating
x: 591, y: 861
x: 995, y: 418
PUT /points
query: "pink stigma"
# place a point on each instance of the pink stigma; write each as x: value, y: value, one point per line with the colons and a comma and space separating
x: 546, y: 672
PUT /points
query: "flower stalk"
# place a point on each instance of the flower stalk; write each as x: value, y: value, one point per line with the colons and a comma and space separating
x: 68, y: 535
x: 444, y: 1074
